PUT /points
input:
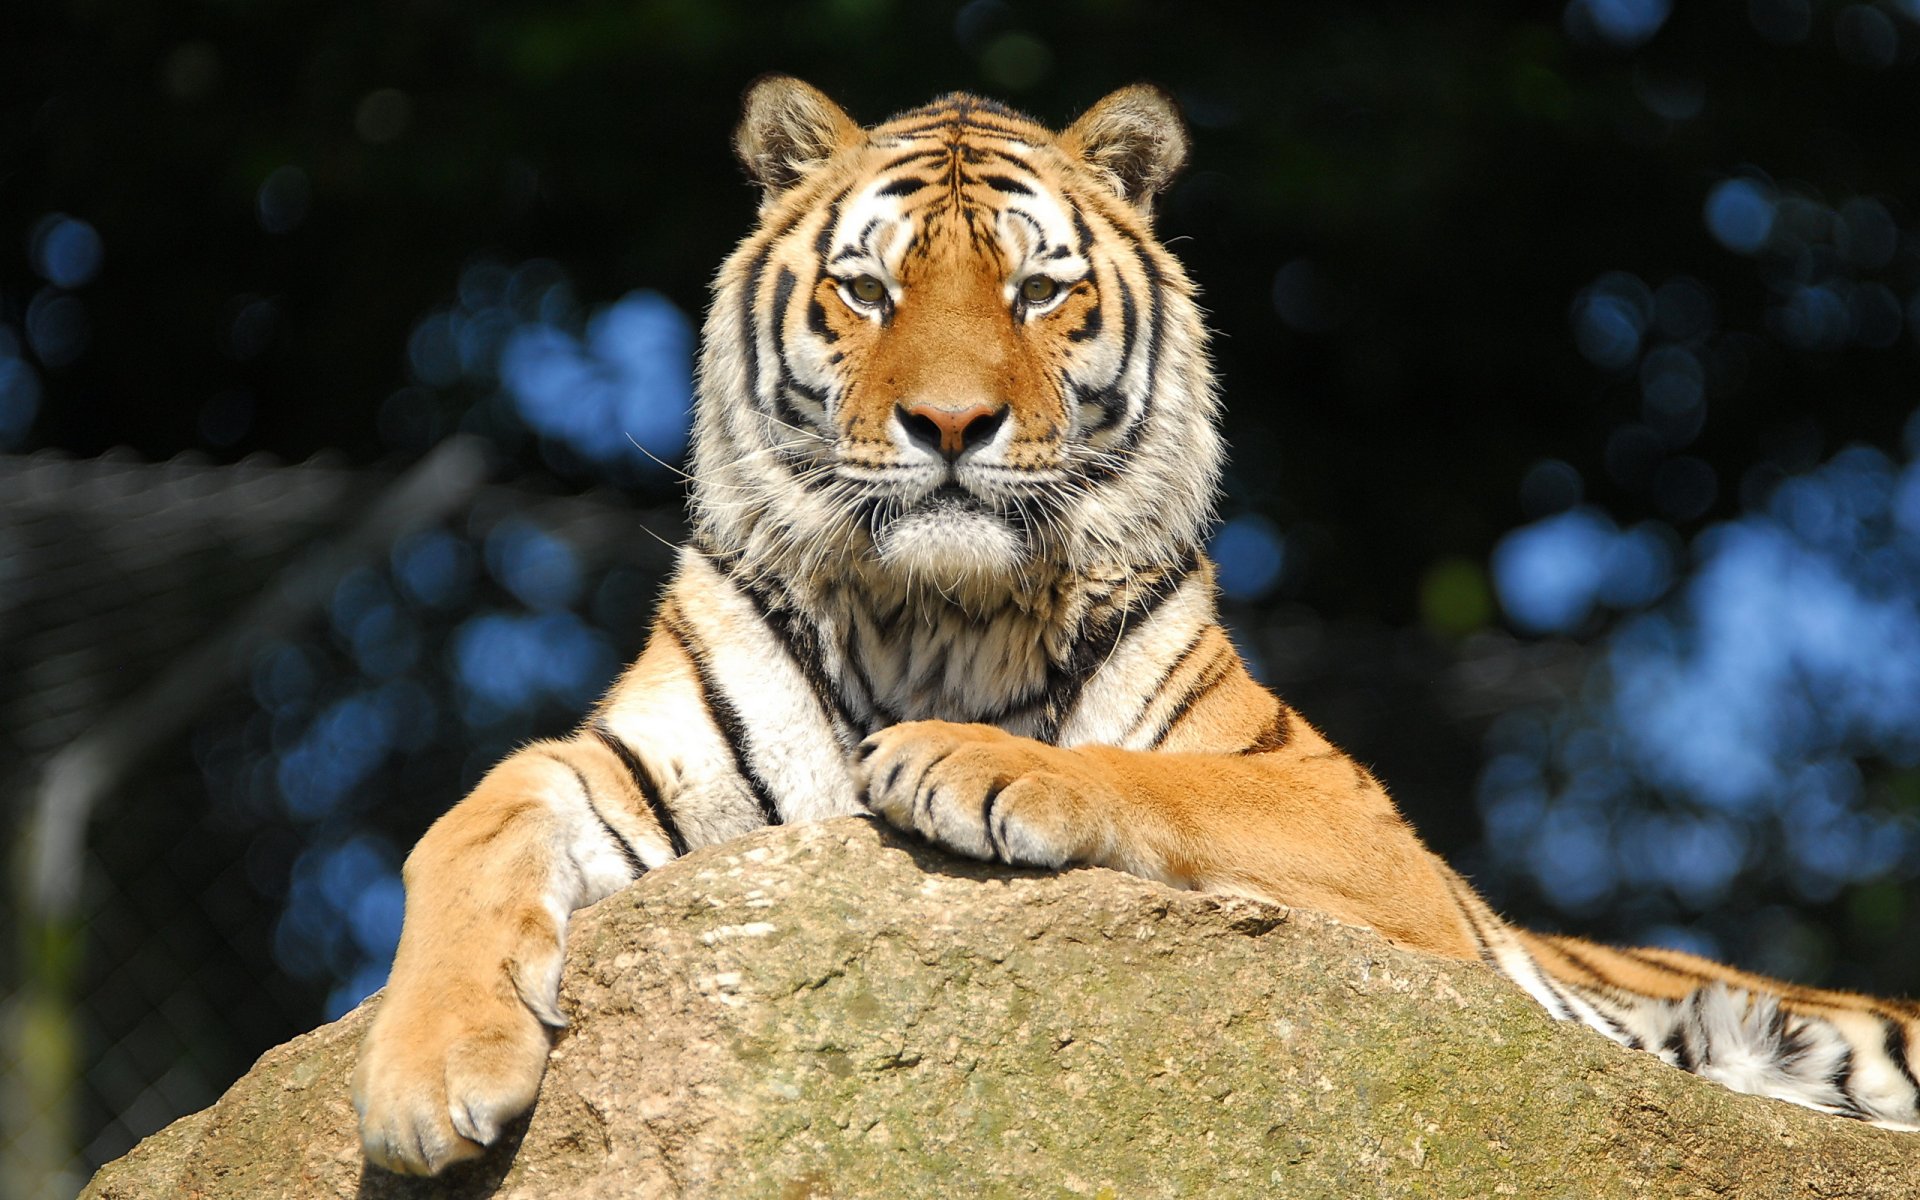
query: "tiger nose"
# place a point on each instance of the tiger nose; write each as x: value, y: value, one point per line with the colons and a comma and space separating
x: 950, y: 429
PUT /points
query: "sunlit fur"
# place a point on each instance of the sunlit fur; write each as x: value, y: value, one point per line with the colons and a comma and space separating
x: 945, y: 567
x: 1109, y: 454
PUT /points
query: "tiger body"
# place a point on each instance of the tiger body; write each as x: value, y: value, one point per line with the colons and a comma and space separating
x: 954, y: 457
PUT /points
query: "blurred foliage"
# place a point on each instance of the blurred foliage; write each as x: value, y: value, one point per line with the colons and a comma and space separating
x: 1590, y: 323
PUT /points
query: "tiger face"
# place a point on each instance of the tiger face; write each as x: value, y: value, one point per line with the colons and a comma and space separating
x: 953, y: 352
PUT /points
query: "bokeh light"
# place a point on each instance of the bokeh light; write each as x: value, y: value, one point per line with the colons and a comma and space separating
x: 612, y: 388
x: 19, y: 392
x: 1748, y: 700
x: 65, y: 251
x: 1250, y: 552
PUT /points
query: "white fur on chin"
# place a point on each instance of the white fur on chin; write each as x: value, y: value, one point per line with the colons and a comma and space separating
x: 948, y: 548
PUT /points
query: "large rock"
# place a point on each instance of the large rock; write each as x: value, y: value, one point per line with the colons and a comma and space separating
x: 830, y: 1011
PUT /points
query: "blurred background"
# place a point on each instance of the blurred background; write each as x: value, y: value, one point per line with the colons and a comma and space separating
x: 1570, y: 358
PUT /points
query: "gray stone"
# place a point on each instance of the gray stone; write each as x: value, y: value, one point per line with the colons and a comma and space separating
x: 829, y: 1010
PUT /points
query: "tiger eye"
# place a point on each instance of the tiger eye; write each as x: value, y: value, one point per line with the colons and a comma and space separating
x: 868, y: 290
x: 1038, y: 289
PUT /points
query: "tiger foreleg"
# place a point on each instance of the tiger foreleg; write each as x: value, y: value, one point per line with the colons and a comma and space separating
x: 1304, y: 825
x: 460, y: 1039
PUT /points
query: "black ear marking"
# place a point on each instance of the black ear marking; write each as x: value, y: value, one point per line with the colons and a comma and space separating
x: 1136, y: 138
x: 787, y: 128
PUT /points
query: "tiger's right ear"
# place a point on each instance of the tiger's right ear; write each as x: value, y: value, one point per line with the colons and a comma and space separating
x: 787, y: 128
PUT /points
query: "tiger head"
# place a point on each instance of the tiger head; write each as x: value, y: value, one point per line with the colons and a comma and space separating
x: 952, y: 351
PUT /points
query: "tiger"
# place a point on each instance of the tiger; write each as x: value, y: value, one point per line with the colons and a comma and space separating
x: 955, y: 454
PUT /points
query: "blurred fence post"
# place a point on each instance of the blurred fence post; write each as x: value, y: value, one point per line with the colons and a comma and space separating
x: 42, y: 1056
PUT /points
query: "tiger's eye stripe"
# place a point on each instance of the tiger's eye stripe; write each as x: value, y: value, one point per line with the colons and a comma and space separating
x: 817, y: 321
x: 725, y: 717
x: 1090, y: 324
x: 644, y: 783
x: 627, y: 852
x: 1006, y: 184
x: 906, y: 185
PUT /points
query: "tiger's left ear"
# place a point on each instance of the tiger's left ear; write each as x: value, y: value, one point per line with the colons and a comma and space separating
x: 787, y: 128
x: 1134, y: 137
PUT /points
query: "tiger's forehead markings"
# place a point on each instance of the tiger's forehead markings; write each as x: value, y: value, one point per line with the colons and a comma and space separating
x: 959, y: 165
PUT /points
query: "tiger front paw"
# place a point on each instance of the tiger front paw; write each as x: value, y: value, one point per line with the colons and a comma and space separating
x: 444, y: 1065
x: 989, y: 794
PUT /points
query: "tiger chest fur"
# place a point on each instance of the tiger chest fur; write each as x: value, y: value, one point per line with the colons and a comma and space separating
x: 955, y: 452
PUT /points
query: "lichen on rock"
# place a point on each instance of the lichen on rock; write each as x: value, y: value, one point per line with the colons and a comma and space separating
x: 832, y: 1010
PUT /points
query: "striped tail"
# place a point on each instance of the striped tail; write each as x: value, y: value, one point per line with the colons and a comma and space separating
x: 1837, y: 1052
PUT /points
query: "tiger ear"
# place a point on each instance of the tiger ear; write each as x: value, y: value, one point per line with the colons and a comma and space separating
x: 787, y: 128
x: 1135, y: 138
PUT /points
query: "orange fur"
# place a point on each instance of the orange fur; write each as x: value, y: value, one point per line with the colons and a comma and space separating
x: 964, y: 527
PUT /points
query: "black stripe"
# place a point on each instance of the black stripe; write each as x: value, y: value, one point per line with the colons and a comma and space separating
x: 1186, y: 655
x: 1699, y: 979
x: 824, y: 238
x: 1481, y: 944
x: 801, y: 641
x: 644, y: 783
x: 1112, y: 403
x: 1212, y: 676
x: 783, y: 285
x: 750, y: 295
x: 1580, y: 960
x: 906, y: 185
x: 1090, y: 323
x: 911, y: 156
x: 1896, y: 1047
x: 1094, y: 646
x: 1840, y: 1079
x: 817, y: 321
x: 634, y: 862
x: 1619, y: 1032
x: 1155, y: 332
x: 1082, y: 232
x: 1277, y: 734
x: 1007, y: 184
x: 1676, y: 1043
x: 980, y: 154
x: 726, y: 718
x: 995, y: 846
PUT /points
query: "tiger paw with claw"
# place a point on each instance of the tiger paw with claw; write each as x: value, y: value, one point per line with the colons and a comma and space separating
x: 989, y: 794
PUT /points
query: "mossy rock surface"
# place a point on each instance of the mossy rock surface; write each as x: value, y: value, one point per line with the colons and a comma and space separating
x: 830, y: 1011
